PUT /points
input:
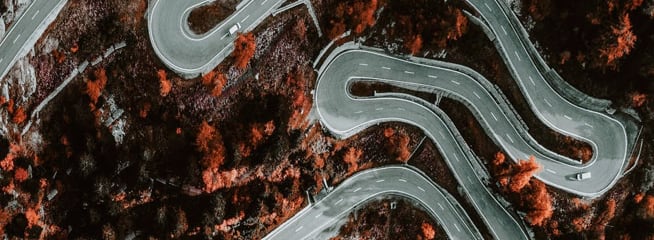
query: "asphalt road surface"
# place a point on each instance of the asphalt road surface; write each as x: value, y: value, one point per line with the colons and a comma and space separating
x: 26, y: 30
x: 368, y: 184
x: 345, y: 115
x: 606, y: 135
x: 188, y: 53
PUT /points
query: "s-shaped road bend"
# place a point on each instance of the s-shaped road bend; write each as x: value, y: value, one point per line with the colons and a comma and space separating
x: 366, y: 185
x: 191, y: 54
x: 606, y: 135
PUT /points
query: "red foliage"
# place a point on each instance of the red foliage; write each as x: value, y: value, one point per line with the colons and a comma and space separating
x: 19, y: 115
x: 166, y: 85
x: 352, y: 157
x: 210, y: 143
x: 414, y: 45
x: 638, y: 99
x: 244, y: 48
x: 647, y: 207
x: 499, y: 159
x: 359, y: 13
x: 94, y: 87
x: 7, y: 164
x: 523, y: 172
x: 217, y: 80
x: 32, y: 217
x: 428, y: 231
x: 397, y: 145
x: 619, y: 42
x: 20, y: 174
x: 538, y: 202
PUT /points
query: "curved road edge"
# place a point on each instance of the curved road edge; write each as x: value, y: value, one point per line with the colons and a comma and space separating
x: 397, y: 180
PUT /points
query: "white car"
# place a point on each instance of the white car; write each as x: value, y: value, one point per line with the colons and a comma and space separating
x: 234, y: 28
x: 582, y: 176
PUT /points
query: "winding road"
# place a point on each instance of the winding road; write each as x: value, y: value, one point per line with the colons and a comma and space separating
x: 344, y: 115
x: 366, y: 185
x: 191, y: 54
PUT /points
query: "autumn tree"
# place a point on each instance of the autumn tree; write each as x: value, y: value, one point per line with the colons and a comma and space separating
x: 428, y: 231
x: 522, y: 173
x: 397, y: 144
x: 166, y: 85
x: 19, y: 116
x: 210, y: 143
x: 414, y: 45
x: 357, y: 15
x: 95, y: 86
x: 216, y: 81
x: 618, y: 43
x: 538, y: 203
x: 244, y: 48
x: 351, y: 158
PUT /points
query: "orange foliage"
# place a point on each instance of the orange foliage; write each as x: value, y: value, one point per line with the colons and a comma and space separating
x: 359, y: 13
x: 461, y: 26
x: 7, y: 164
x: 32, y: 217
x: 94, y: 87
x: 20, y: 174
x: 205, y: 134
x: 647, y: 210
x: 539, y: 202
x: 639, y: 197
x: 428, y: 231
x: 397, y: 145
x: 219, y: 83
x: 166, y: 85
x: 210, y: 142
x: 19, y: 116
x: 244, y: 48
x: 605, y: 216
x: 522, y: 173
x: 143, y: 113
x: 414, y: 45
x: 352, y: 157
x: 499, y: 158
x: 638, y: 99
x: 620, y: 43
x: 579, y: 224
x: 74, y: 48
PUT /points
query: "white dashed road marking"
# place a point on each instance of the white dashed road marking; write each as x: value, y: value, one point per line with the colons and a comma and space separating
x: 457, y: 227
x: 380, y: 180
x: 224, y: 36
x: 432, y: 76
x: 587, y: 124
x: 298, y: 229
x: 421, y: 189
x: 401, y: 180
x: 509, y: 137
x: 407, y: 72
x: 518, y: 56
x: 504, y: 30
x: 37, y: 13
x: 489, y: 8
x: 387, y: 68
x: 339, y: 201
x: 455, y: 82
x: 441, y: 206
x: 547, y: 102
x: 494, y: 117
x: 550, y: 170
x: 356, y: 190
x: 568, y: 117
x: 16, y: 39
x: 363, y: 64
x: 245, y: 18
x: 476, y: 95
x: 532, y: 81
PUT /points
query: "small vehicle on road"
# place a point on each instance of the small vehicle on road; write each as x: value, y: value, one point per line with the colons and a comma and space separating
x: 234, y: 29
x: 582, y: 176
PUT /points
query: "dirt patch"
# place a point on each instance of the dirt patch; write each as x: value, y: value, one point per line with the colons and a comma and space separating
x: 204, y: 18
